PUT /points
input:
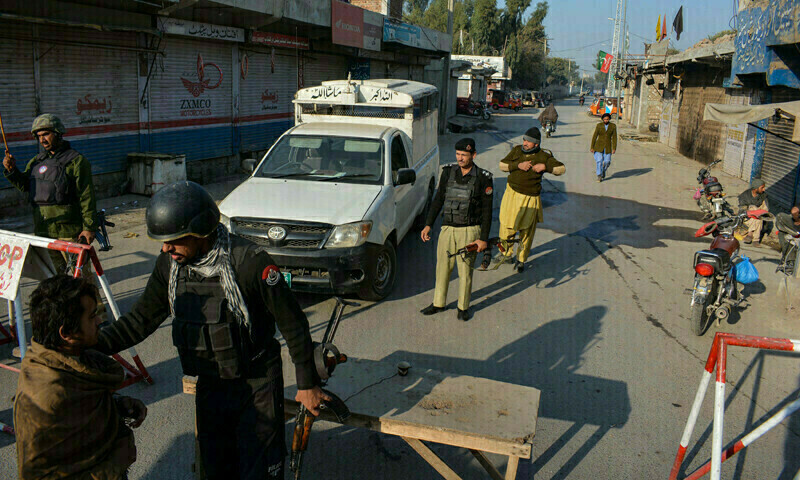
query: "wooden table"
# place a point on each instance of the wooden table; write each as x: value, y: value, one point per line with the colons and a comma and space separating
x: 481, y: 415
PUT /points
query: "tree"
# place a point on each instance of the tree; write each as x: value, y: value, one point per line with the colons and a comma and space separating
x: 561, y: 71
x: 484, y: 27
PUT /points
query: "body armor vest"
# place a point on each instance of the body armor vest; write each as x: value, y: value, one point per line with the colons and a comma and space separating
x: 49, y: 184
x: 208, y: 336
x: 458, y: 204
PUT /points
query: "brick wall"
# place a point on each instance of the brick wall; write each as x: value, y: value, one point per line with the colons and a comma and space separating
x: 390, y: 8
x: 651, y: 110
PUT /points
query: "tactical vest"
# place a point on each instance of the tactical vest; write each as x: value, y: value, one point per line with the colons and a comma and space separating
x: 458, y: 203
x: 208, y: 336
x: 49, y: 184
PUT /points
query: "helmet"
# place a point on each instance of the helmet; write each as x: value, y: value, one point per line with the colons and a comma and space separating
x: 48, y: 121
x: 179, y: 210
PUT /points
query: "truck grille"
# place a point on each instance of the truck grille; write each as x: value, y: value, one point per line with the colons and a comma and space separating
x: 298, y: 234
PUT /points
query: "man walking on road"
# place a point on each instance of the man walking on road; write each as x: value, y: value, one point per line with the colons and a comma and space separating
x: 754, y: 198
x: 465, y: 192
x: 226, y: 296
x: 604, y: 144
x: 521, y: 208
x: 59, y: 184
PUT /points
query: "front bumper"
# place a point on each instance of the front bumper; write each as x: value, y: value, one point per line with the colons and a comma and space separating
x: 339, y: 271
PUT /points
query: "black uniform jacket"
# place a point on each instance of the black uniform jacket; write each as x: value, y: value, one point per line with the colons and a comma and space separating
x: 268, y: 305
x: 481, y: 195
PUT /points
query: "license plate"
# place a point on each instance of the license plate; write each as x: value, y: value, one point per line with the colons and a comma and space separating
x: 287, y: 276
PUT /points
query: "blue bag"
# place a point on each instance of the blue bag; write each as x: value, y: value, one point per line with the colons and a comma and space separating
x: 745, y: 271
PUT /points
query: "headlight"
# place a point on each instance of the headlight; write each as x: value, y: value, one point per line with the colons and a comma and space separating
x: 225, y: 221
x: 349, y: 235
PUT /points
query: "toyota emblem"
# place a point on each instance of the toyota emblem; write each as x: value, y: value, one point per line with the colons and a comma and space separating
x: 276, y: 233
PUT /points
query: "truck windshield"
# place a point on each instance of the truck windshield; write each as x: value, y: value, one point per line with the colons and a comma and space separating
x: 317, y: 158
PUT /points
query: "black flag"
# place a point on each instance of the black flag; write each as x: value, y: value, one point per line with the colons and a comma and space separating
x: 677, y: 24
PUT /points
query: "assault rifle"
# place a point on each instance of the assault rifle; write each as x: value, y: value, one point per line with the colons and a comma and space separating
x: 502, y: 245
x: 326, y: 357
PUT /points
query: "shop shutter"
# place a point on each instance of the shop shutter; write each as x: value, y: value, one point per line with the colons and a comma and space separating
x: 674, y: 122
x: 377, y: 69
x: 190, y: 110
x: 321, y: 67
x: 750, y: 143
x: 17, y: 95
x: 417, y: 73
x: 735, y: 137
x: 666, y: 118
x: 265, y: 98
x: 94, y: 91
x: 399, y: 70
x: 779, y: 170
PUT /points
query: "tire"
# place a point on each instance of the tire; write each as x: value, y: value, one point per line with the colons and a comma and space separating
x: 495, y: 106
x: 381, y: 275
x: 699, y: 318
x: 419, y: 221
x: 486, y: 115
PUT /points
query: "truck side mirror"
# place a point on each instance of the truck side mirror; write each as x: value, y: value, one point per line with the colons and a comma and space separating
x: 404, y: 176
x: 248, y: 165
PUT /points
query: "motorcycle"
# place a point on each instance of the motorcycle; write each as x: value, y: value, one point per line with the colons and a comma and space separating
x: 549, y: 128
x: 709, y: 195
x: 582, y: 100
x: 716, y: 292
x: 483, y: 110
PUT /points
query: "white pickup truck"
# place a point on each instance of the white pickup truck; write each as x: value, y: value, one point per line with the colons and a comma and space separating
x: 336, y: 194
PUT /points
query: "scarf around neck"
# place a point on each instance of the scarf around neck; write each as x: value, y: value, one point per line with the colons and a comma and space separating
x: 215, y: 263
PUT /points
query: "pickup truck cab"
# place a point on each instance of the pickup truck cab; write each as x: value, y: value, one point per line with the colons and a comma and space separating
x: 335, y: 194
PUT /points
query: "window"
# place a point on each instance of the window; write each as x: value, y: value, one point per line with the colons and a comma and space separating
x: 399, y: 159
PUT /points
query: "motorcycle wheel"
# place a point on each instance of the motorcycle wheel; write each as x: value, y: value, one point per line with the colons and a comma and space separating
x: 486, y: 115
x: 699, y: 318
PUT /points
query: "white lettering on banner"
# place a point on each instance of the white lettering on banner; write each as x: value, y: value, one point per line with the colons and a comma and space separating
x: 12, y: 258
x: 347, y: 26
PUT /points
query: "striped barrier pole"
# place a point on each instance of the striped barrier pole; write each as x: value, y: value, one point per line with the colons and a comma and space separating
x: 717, y: 358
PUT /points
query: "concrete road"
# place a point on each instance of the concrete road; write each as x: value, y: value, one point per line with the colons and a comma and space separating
x: 598, y: 322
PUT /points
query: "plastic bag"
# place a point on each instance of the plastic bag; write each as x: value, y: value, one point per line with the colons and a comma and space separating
x: 697, y: 194
x: 745, y: 271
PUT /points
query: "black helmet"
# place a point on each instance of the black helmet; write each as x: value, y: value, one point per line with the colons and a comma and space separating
x: 181, y: 209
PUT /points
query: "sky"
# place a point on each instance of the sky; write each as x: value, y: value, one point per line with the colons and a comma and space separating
x: 579, y: 28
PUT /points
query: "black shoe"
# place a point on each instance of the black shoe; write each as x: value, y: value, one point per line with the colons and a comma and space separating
x: 464, y: 314
x: 487, y: 260
x: 431, y: 310
x: 519, y: 266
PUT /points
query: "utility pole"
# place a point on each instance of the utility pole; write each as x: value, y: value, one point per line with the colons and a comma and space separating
x: 610, y: 90
x: 620, y: 64
x: 446, y: 73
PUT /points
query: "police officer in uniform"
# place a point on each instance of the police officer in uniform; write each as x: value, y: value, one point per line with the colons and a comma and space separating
x: 226, y: 296
x: 59, y: 185
x: 465, y: 193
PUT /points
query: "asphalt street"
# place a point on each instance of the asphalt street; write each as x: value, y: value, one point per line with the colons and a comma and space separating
x: 598, y: 322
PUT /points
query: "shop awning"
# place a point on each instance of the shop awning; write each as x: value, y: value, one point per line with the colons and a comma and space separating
x: 738, y: 114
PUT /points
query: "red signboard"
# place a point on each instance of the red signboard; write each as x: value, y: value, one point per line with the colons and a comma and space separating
x: 278, y: 40
x: 347, y: 24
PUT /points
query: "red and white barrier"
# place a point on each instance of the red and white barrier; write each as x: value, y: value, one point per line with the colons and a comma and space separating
x: 717, y: 358
x: 86, y: 254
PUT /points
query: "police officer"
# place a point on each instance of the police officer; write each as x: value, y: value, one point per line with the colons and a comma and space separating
x: 59, y: 185
x: 226, y: 296
x: 465, y: 192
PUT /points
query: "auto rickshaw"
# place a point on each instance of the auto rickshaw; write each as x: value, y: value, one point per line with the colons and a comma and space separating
x: 503, y: 99
x: 603, y: 105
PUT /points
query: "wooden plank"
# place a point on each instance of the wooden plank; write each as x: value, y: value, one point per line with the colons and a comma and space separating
x: 511, y: 469
x: 432, y: 459
x: 487, y: 465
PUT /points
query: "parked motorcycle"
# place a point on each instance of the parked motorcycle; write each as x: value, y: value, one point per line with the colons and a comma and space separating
x: 716, y: 292
x: 709, y: 195
x: 549, y: 128
x: 483, y: 110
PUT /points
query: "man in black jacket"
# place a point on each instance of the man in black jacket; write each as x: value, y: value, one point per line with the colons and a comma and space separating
x: 465, y: 192
x: 226, y: 296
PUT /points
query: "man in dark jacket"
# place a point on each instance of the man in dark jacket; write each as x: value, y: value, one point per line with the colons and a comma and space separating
x: 59, y: 184
x: 549, y: 115
x: 754, y: 198
x: 788, y: 225
x: 67, y: 421
x: 604, y: 144
x: 226, y: 296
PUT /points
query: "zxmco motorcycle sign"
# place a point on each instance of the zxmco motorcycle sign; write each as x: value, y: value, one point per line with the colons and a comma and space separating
x: 207, y: 76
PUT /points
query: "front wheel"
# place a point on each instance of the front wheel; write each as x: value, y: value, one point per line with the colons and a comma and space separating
x: 486, y: 115
x: 496, y: 107
x: 380, y: 277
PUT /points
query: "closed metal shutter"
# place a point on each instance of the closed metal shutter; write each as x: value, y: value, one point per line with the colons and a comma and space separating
x: 398, y: 70
x: 377, y: 69
x: 674, y: 122
x: 265, y: 105
x: 17, y: 95
x: 321, y: 68
x: 733, y: 163
x: 417, y: 73
x: 749, y: 154
x: 190, y: 98
x: 779, y: 170
x: 94, y: 91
